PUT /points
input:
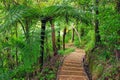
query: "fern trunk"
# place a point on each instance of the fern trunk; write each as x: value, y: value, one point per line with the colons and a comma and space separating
x: 42, y: 38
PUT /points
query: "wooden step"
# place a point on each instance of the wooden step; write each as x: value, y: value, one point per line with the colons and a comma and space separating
x: 72, y: 73
x: 72, y: 65
x: 72, y: 77
x: 72, y: 68
x: 73, y: 61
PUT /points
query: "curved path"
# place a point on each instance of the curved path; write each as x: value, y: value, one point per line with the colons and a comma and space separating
x: 72, y: 67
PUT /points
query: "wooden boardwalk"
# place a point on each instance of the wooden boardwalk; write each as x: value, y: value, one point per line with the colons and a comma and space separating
x: 72, y: 67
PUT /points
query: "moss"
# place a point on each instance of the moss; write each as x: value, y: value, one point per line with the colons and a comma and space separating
x: 97, y: 71
x: 102, y: 64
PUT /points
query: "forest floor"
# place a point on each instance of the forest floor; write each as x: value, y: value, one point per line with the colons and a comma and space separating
x: 72, y: 67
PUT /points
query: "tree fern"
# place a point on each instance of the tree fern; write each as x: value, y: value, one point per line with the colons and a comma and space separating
x: 17, y: 13
x: 65, y: 11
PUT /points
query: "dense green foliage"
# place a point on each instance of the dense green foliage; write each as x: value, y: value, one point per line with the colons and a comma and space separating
x: 90, y: 24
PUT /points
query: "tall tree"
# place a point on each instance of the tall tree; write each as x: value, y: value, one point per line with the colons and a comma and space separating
x: 53, y: 38
x: 97, y: 34
x: 64, y: 33
x: 73, y: 34
x: 118, y: 5
x: 58, y: 39
x: 27, y: 28
x: 42, y: 37
x: 16, y: 32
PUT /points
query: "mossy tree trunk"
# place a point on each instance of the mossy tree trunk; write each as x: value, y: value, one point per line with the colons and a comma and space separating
x: 16, y: 32
x: 73, y: 34
x: 64, y: 33
x: 53, y: 38
x: 27, y: 29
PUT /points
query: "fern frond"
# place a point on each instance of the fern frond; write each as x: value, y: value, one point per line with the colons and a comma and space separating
x: 17, y: 13
x: 65, y: 11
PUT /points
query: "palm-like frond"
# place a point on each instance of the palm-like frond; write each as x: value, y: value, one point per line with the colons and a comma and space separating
x: 66, y: 12
x: 17, y: 13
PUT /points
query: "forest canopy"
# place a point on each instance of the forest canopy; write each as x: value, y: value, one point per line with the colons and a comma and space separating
x: 34, y: 32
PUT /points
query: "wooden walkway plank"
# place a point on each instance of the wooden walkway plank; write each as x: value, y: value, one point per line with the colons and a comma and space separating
x: 72, y: 67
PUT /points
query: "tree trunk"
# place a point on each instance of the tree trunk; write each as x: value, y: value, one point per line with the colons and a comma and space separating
x: 27, y: 31
x: 82, y: 32
x: 97, y: 35
x: 42, y: 37
x: 118, y: 5
x: 53, y: 38
x: 64, y: 33
x: 16, y: 44
x: 47, y: 49
x: 117, y: 54
x: 77, y: 34
x: 58, y: 39
x: 73, y: 33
